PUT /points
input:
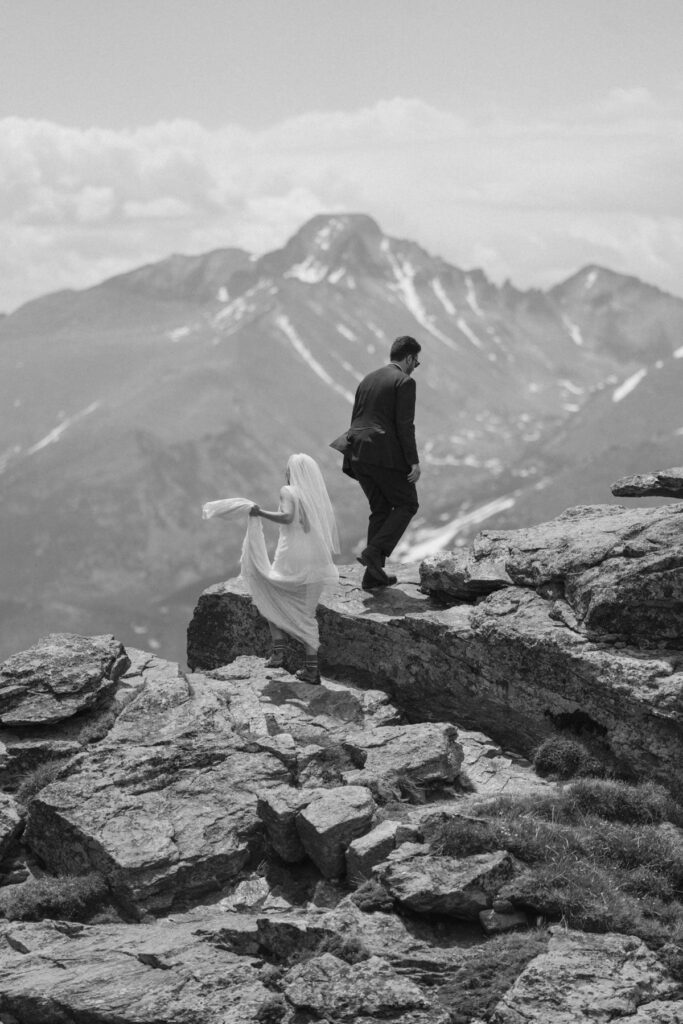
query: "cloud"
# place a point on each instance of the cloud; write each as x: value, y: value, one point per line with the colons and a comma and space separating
x: 521, y: 198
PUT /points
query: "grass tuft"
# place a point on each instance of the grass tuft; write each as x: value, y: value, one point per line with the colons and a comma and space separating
x: 563, y: 758
x: 38, y: 778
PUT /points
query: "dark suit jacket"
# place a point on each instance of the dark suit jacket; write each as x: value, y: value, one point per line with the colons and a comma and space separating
x: 382, y: 431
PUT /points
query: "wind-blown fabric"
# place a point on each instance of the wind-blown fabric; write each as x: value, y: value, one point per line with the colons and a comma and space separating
x: 287, y: 591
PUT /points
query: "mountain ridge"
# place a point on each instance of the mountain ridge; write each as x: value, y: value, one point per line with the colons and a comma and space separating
x: 125, y: 406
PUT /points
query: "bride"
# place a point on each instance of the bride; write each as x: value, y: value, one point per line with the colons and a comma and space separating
x: 287, y: 591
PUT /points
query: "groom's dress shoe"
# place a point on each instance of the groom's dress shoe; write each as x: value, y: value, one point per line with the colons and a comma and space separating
x: 372, y: 560
x: 371, y: 583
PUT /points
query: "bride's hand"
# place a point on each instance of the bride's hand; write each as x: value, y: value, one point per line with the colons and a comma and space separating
x: 254, y: 510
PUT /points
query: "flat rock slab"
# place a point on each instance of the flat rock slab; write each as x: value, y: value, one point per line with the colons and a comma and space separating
x: 457, y: 887
x: 666, y: 483
x: 591, y: 979
x: 178, y: 971
x: 58, y: 677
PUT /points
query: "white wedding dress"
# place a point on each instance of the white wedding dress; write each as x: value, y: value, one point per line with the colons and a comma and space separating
x: 287, y: 591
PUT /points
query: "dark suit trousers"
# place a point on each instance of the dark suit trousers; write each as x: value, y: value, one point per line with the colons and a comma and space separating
x: 393, y: 503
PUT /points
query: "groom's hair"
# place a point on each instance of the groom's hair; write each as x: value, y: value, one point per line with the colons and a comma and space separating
x: 404, y: 346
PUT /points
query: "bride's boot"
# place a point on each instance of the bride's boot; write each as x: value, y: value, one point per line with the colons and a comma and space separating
x: 310, y: 672
x: 277, y: 655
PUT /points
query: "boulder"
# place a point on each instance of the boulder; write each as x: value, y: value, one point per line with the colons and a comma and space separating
x: 278, y: 809
x: 666, y: 483
x: 24, y: 748
x: 58, y: 677
x: 465, y: 575
x: 331, y: 989
x: 593, y: 979
x: 427, y: 754
x: 458, y: 887
x: 332, y: 820
x: 364, y: 853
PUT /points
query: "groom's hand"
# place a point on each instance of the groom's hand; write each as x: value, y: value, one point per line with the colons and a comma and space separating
x: 254, y: 510
x: 414, y: 474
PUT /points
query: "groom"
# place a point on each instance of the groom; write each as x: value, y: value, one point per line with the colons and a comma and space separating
x: 380, y: 452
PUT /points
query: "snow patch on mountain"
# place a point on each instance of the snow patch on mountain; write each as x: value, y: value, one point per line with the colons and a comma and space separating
x: 298, y: 345
x: 178, y: 333
x: 569, y: 385
x: 438, y: 290
x: 464, y: 327
x: 628, y: 385
x: 472, y: 297
x: 573, y: 330
x: 431, y: 541
x: 55, y: 434
x: 590, y: 280
x: 243, y: 305
x: 345, y: 332
x: 404, y: 272
x: 311, y: 271
x: 324, y: 238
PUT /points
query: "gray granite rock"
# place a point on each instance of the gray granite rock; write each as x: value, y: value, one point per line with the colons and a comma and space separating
x: 592, y: 979
x: 331, y: 989
x: 176, y: 971
x: 165, y: 807
x: 364, y: 853
x: 59, y: 676
x: 458, y: 887
x: 330, y: 822
x: 666, y: 483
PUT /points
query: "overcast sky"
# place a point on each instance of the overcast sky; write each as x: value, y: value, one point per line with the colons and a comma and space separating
x: 526, y: 137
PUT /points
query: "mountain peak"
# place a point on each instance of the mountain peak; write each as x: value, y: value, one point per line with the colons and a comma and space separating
x: 329, y: 245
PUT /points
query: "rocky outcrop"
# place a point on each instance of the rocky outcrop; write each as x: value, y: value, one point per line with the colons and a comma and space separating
x: 611, y: 571
x: 514, y: 665
x: 198, y: 771
x: 166, y: 805
x: 592, y: 979
x: 667, y: 483
x: 260, y: 803
x: 58, y: 677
